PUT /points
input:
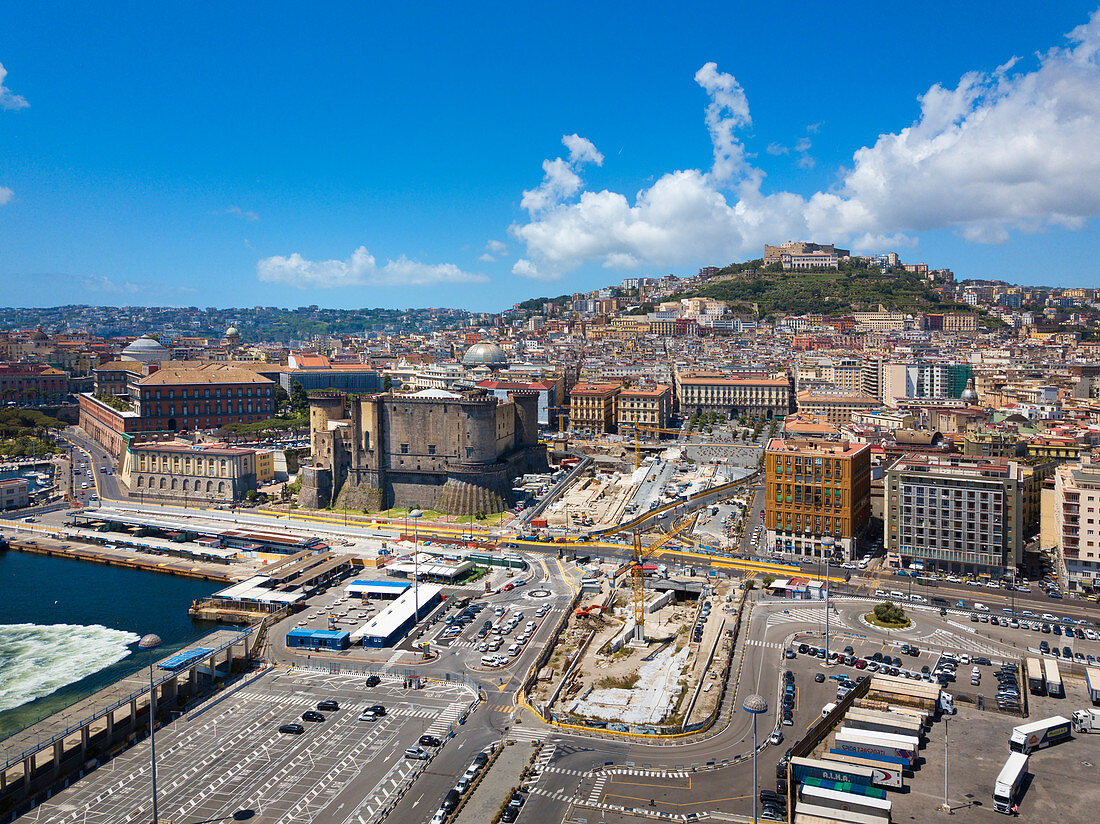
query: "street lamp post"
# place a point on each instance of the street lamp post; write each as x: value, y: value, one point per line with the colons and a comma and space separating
x: 755, y: 705
x: 151, y: 642
x: 827, y: 547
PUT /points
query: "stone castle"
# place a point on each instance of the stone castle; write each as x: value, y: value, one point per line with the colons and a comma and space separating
x: 455, y: 453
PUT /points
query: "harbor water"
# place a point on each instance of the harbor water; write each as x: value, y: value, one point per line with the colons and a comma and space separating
x: 68, y: 628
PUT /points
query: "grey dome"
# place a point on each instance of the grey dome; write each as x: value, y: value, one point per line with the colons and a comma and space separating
x: 145, y: 348
x: 484, y: 354
x: 969, y: 395
x: 231, y: 331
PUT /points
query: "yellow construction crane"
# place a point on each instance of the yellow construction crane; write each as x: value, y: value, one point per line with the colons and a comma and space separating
x: 639, y: 427
x: 638, y: 556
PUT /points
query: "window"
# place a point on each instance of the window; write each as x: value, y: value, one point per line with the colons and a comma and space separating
x: 404, y: 449
x: 431, y: 449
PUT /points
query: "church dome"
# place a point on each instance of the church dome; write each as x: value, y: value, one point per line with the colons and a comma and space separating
x: 484, y: 354
x: 969, y: 395
x: 232, y: 332
x: 145, y: 349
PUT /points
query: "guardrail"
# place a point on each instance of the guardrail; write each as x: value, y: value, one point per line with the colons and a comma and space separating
x: 73, y: 728
x: 696, y: 499
x: 556, y: 490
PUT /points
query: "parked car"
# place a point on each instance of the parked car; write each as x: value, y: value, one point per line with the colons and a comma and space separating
x: 292, y: 729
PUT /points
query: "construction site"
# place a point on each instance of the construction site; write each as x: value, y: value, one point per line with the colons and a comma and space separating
x: 644, y: 652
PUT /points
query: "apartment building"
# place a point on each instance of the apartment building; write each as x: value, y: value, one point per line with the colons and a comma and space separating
x: 733, y: 397
x: 14, y: 493
x: 817, y: 497
x: 651, y: 406
x: 836, y: 405
x: 592, y: 408
x: 956, y: 514
x: 1077, y: 518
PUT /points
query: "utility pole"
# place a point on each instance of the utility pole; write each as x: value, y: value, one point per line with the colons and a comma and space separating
x: 945, y: 807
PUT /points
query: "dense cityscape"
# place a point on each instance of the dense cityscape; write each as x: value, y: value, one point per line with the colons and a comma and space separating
x: 766, y: 493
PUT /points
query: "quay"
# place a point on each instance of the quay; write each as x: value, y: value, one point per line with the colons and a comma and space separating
x: 108, y: 557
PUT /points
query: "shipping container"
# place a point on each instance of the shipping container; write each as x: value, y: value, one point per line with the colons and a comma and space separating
x: 1036, y: 684
x: 1053, y: 678
x: 844, y: 802
x: 815, y: 813
x: 884, y: 774
x: 858, y: 742
x: 1092, y: 681
x: 876, y: 721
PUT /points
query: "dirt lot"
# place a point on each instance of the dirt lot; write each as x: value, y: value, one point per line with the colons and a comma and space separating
x: 607, y: 666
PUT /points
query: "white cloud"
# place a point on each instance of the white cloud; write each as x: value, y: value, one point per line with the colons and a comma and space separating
x: 728, y: 110
x: 1005, y: 151
x: 8, y: 98
x: 361, y: 269
x: 581, y: 150
x: 6, y: 195
x: 237, y: 211
x: 560, y: 179
x: 493, y: 250
x: 776, y: 149
x: 526, y: 269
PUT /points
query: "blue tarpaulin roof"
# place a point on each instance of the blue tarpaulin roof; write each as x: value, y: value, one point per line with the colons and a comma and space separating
x: 182, y: 659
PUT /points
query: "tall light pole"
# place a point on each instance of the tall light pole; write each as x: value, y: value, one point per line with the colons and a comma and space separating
x: 946, y: 806
x: 151, y: 642
x: 827, y: 546
x: 415, y: 515
x: 755, y: 705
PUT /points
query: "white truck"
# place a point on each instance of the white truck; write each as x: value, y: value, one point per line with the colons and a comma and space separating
x: 1008, y: 783
x: 1087, y: 720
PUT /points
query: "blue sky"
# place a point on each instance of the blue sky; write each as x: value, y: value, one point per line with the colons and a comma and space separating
x: 413, y: 155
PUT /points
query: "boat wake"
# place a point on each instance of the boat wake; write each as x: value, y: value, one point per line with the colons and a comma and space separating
x: 36, y: 660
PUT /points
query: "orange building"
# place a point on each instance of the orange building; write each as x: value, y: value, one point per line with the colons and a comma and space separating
x: 817, y: 496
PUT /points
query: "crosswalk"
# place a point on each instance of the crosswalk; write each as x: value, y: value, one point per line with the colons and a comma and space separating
x: 525, y: 734
x: 542, y: 761
x: 446, y: 719
x: 597, y: 789
x: 755, y: 642
x: 650, y: 773
x: 956, y: 641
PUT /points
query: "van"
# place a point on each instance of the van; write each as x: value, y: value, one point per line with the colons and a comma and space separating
x: 514, y: 649
x: 488, y: 660
x: 828, y: 708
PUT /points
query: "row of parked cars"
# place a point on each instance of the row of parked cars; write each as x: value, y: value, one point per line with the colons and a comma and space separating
x: 465, y: 781
x: 697, y: 631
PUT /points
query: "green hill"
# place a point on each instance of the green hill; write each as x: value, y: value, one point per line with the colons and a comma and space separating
x: 852, y: 288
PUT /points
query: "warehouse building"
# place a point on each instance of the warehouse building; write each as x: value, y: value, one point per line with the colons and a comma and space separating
x: 395, y: 621
x: 317, y: 639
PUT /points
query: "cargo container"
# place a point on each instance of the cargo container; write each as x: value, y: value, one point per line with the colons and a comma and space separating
x: 1008, y: 783
x: 1036, y: 684
x: 844, y: 802
x: 861, y: 719
x: 857, y: 742
x: 1092, y: 681
x: 1053, y: 678
x: 814, y: 813
x: 906, y: 693
x: 806, y: 768
x: 1027, y: 738
x: 883, y: 774
x: 923, y: 716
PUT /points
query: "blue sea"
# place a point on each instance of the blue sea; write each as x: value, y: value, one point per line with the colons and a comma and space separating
x: 68, y: 628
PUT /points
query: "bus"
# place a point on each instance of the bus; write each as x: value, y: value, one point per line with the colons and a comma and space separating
x: 1008, y: 783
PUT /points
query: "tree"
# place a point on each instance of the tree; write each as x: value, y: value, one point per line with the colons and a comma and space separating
x: 768, y: 580
x: 281, y: 397
x: 299, y: 401
x: 890, y: 613
x: 387, y: 383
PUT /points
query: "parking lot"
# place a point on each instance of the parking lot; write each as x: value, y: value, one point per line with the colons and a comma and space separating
x: 228, y: 756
